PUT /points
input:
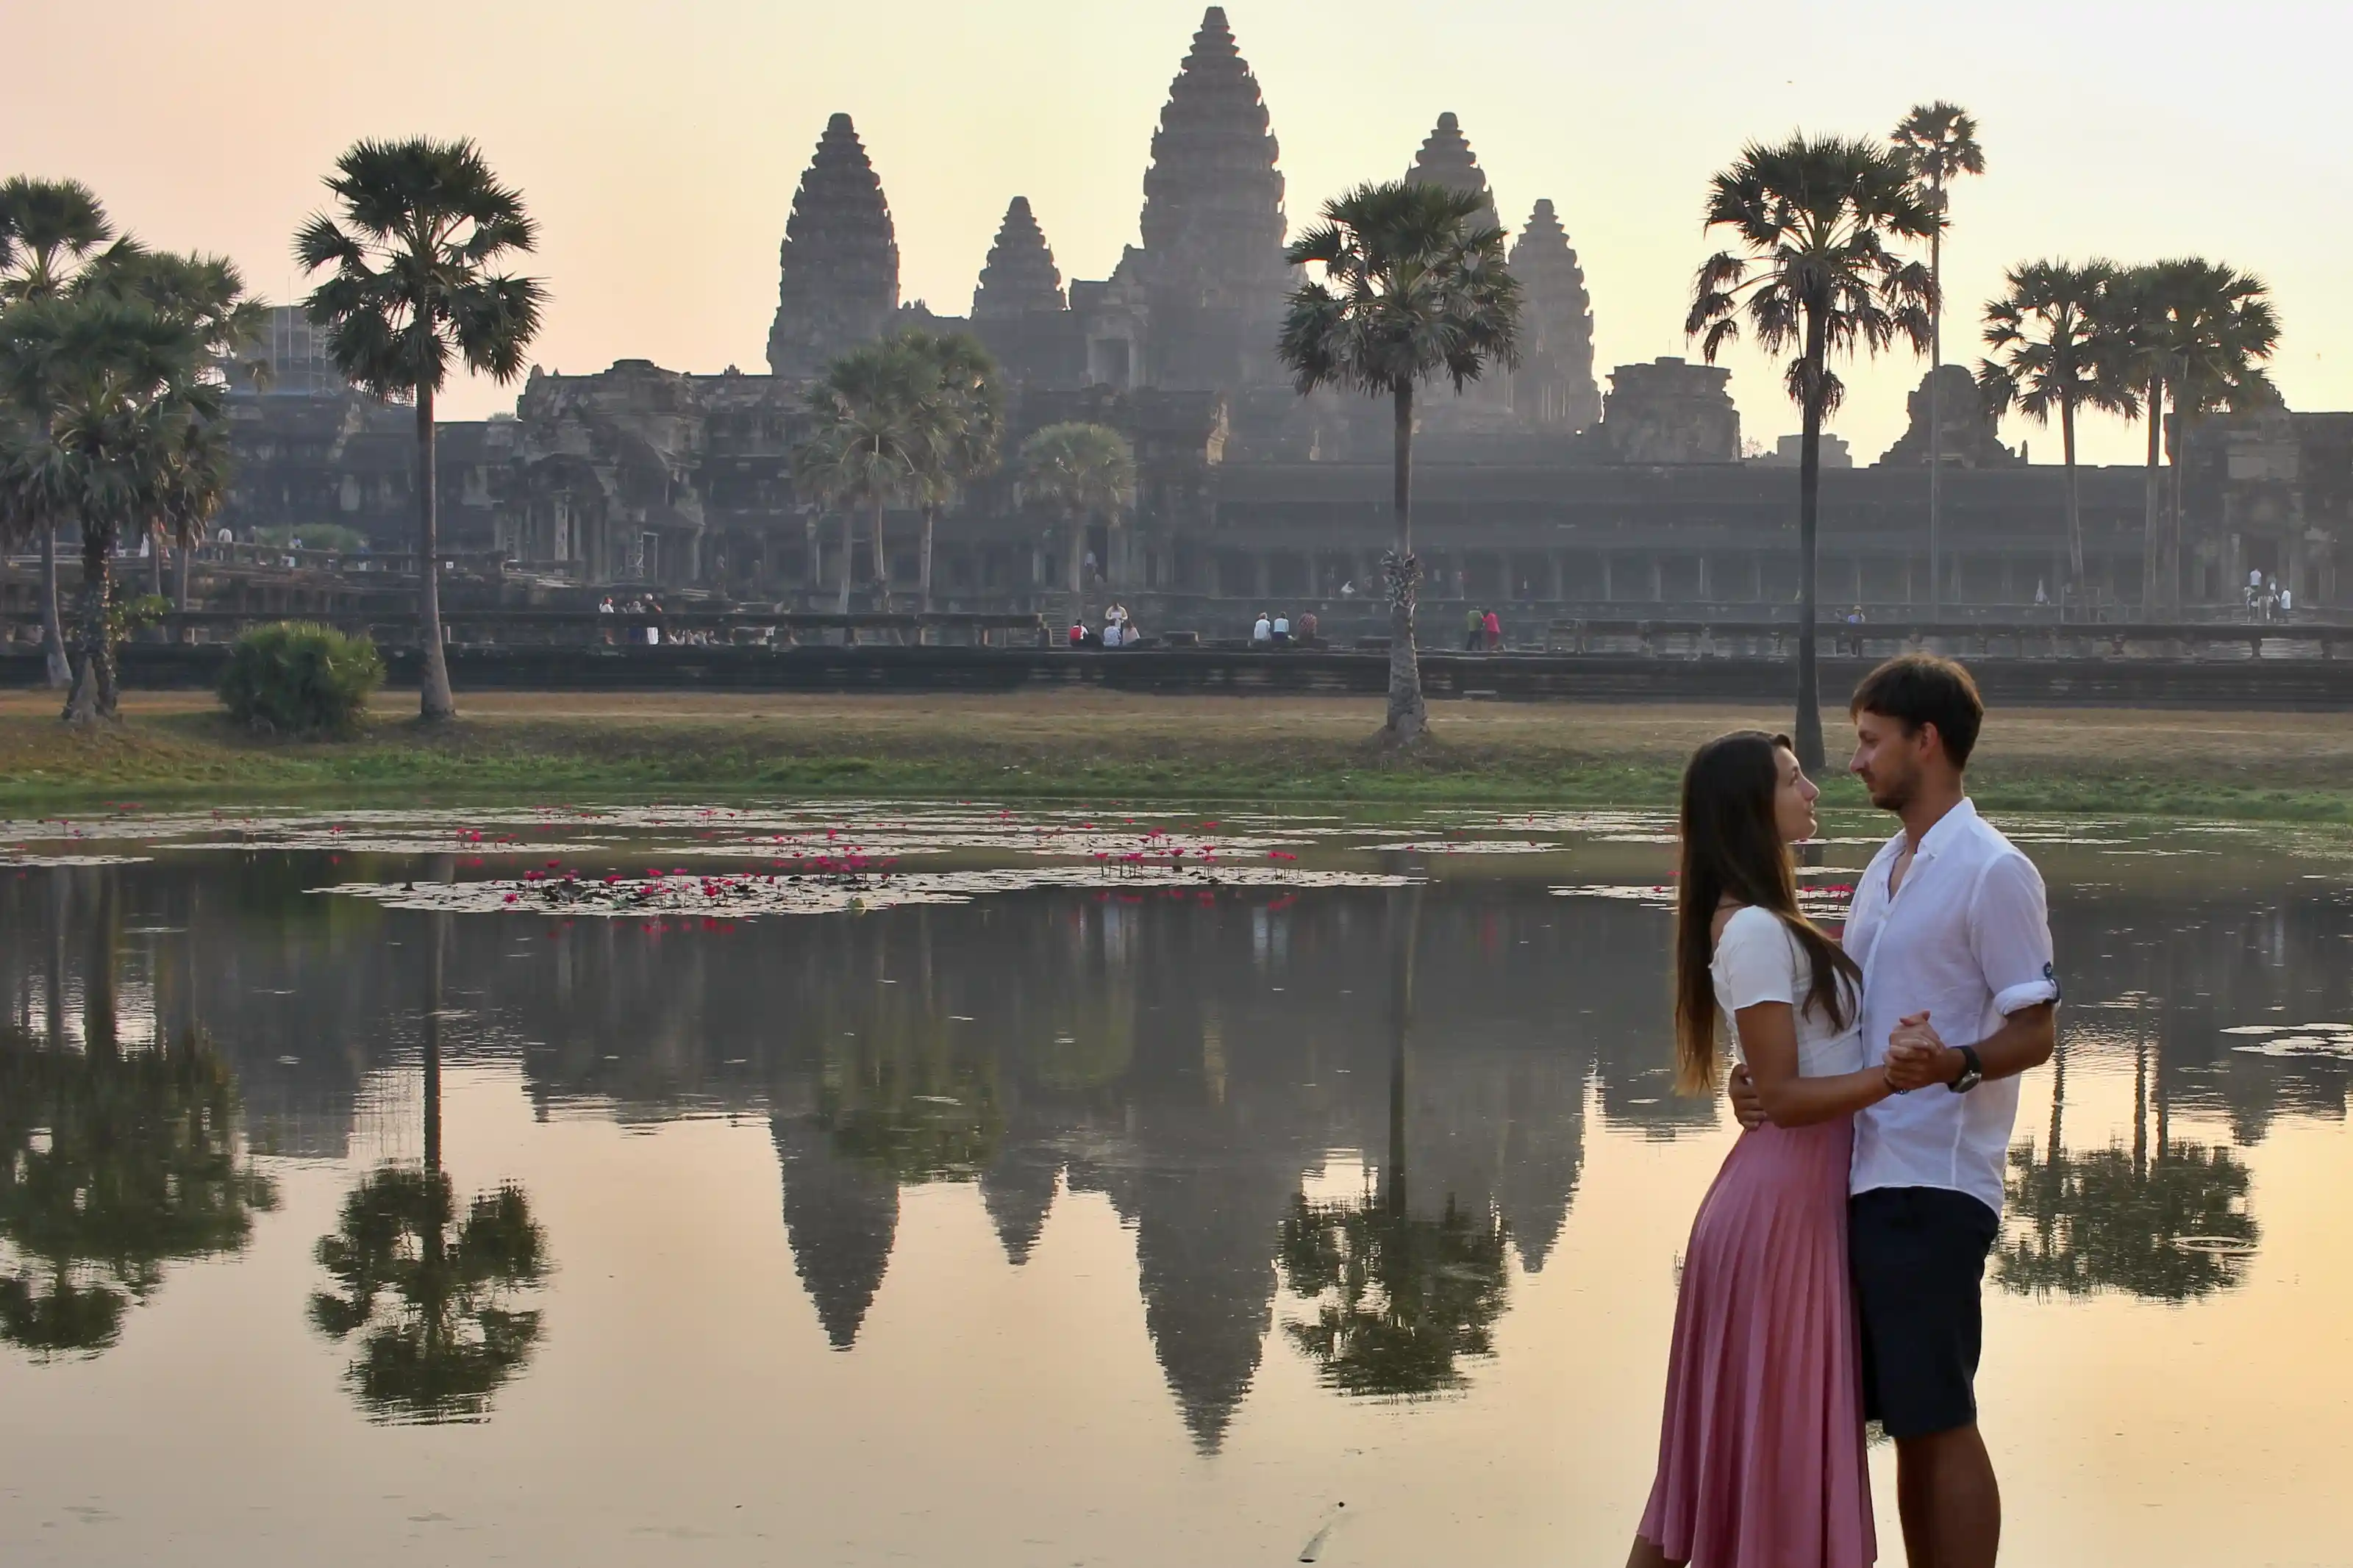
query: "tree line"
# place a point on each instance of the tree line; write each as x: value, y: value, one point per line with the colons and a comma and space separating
x: 114, y: 360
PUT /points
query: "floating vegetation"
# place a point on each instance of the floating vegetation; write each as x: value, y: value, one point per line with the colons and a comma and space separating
x: 748, y: 895
x: 2290, y: 1041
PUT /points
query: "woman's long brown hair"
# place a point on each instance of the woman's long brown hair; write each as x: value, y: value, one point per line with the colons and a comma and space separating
x: 1731, y: 849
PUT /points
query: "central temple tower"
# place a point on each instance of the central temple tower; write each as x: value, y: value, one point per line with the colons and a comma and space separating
x: 1198, y: 302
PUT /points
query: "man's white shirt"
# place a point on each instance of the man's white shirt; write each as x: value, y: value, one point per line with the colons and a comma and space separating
x: 1967, y: 938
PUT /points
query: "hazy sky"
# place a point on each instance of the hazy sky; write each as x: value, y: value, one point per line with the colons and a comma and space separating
x: 658, y: 145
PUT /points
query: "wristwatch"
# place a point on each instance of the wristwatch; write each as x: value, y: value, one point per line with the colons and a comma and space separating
x: 1972, y: 1071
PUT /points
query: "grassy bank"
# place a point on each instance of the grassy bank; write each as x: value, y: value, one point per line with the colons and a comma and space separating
x: 542, y: 747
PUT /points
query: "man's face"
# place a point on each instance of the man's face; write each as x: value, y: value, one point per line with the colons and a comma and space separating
x: 1886, y: 760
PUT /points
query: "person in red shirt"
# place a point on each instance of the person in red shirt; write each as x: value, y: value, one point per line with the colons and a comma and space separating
x: 1494, y: 629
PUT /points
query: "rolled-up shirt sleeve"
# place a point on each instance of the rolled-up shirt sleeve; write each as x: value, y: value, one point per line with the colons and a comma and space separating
x: 2010, y: 935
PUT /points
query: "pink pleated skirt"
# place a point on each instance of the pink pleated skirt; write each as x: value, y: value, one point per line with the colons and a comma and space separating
x: 1761, y: 1453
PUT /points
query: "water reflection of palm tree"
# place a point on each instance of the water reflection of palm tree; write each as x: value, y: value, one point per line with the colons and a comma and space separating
x: 432, y: 1302
x: 1401, y: 1298
x: 112, y: 1164
x: 2164, y: 1220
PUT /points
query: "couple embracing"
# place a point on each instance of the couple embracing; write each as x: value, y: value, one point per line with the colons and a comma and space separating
x: 1834, y: 1267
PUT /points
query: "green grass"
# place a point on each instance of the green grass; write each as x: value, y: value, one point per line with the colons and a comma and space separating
x: 955, y: 750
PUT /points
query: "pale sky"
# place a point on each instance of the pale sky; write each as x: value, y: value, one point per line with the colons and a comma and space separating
x: 658, y: 145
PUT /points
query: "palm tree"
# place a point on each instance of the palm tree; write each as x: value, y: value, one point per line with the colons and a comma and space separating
x: 965, y: 404
x: 2056, y: 356
x: 48, y: 229
x: 875, y: 436
x: 121, y: 380
x: 422, y: 225
x: 2194, y: 335
x: 1079, y: 472
x: 1939, y: 142
x: 1412, y: 288
x: 1814, y: 273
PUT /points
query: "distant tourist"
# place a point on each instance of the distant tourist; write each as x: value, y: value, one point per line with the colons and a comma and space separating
x: 1282, y: 631
x: 1077, y: 634
x: 1494, y: 626
x: 1474, y: 629
x: 1093, y: 574
x: 1111, y: 633
x: 2042, y: 595
x: 2287, y: 603
x: 1262, y: 632
x: 1307, y: 627
x: 1349, y: 589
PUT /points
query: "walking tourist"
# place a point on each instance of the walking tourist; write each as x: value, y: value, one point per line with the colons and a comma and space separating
x: 1950, y: 935
x: 1474, y: 629
x: 1491, y: 625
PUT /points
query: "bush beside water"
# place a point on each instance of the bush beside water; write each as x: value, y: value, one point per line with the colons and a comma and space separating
x: 297, y: 677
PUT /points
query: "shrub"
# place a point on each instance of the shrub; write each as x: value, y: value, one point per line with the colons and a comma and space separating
x: 296, y: 678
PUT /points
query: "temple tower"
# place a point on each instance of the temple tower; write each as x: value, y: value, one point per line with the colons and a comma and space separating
x: 1210, y: 268
x: 1554, y: 389
x: 1020, y: 276
x: 1445, y: 159
x: 840, y: 263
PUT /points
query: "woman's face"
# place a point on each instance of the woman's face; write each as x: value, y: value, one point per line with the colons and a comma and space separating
x: 1793, y: 798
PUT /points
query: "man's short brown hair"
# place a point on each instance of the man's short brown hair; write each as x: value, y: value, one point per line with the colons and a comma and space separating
x: 1918, y: 689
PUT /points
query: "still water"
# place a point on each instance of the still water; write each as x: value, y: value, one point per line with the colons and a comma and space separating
x: 890, y: 1184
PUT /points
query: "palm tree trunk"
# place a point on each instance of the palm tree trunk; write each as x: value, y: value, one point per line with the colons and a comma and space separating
x: 1808, y: 731
x: 881, y: 563
x: 1935, y: 421
x: 2075, y: 505
x: 1405, y: 936
x: 848, y: 549
x: 180, y: 587
x: 923, y: 565
x: 2152, y: 541
x: 436, y: 704
x: 93, y: 687
x: 1078, y: 566
x: 1409, y: 718
x: 53, y: 632
x: 2173, y: 579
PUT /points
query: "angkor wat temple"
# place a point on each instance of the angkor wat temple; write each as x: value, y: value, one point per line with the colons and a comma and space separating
x: 1535, y: 490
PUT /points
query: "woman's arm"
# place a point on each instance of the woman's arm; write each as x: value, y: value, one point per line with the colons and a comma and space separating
x: 1768, y: 1038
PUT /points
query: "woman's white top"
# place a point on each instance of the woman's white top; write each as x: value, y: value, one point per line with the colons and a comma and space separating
x: 1757, y: 959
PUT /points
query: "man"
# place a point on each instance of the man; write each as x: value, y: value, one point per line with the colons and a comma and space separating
x: 1474, y: 630
x: 1261, y: 632
x: 1951, y: 927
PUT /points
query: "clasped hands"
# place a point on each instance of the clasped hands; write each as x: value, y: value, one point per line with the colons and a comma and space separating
x: 1916, y: 1058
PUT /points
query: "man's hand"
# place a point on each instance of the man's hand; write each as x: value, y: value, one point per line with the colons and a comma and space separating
x: 1918, y: 1057
x: 1747, y: 1105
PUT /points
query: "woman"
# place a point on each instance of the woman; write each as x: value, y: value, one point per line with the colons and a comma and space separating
x: 1761, y: 1454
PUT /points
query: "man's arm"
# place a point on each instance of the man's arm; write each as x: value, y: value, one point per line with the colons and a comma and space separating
x: 1917, y: 1057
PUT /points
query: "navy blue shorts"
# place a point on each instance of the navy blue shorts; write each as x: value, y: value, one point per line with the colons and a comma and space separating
x: 1918, y: 1256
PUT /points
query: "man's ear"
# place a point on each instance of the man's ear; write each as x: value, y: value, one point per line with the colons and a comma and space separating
x: 1927, y: 736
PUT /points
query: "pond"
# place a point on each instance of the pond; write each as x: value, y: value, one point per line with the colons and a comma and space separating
x: 876, y: 1184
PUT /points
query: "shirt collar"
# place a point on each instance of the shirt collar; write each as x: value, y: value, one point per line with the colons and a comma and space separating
x: 1948, y: 827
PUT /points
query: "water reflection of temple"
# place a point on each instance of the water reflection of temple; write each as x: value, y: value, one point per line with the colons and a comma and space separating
x: 1196, y: 1064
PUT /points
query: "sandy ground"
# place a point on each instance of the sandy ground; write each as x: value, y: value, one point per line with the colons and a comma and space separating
x: 2310, y: 748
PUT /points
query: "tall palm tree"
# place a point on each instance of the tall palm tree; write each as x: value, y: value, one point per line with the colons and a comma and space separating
x: 208, y: 293
x: 2194, y: 336
x: 964, y: 398
x: 120, y: 381
x: 1413, y: 288
x: 874, y: 438
x: 423, y: 223
x: 1814, y: 272
x: 1079, y: 472
x: 2054, y: 357
x: 49, y: 230
x: 1939, y: 142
